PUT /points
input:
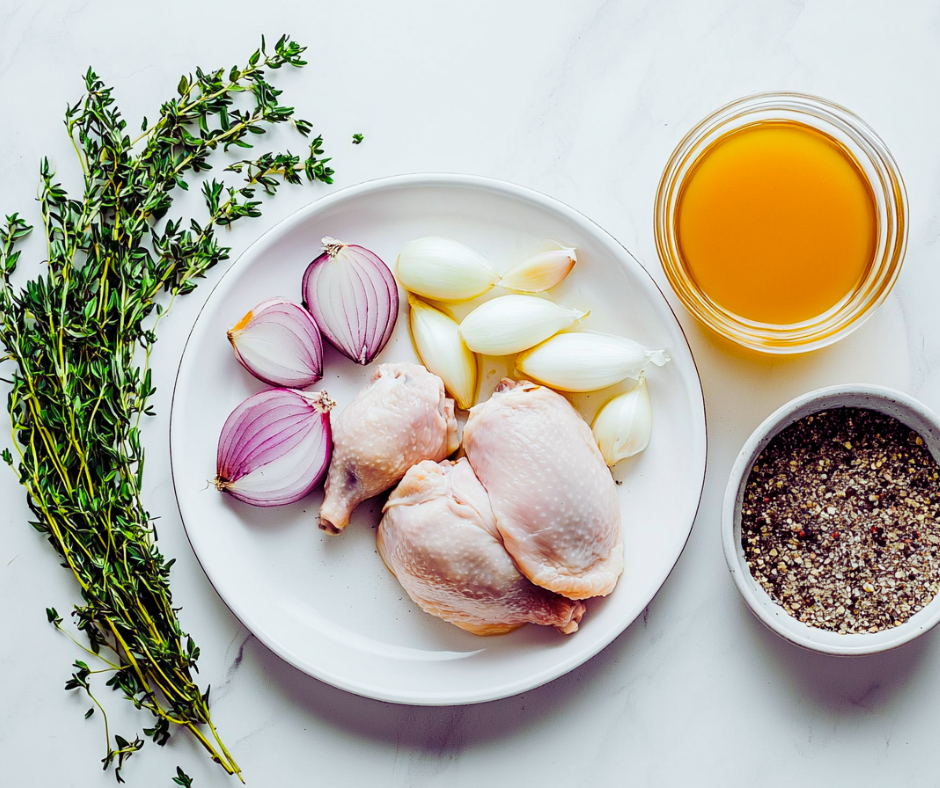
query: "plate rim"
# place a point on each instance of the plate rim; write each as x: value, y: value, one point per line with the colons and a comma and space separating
x: 454, y: 180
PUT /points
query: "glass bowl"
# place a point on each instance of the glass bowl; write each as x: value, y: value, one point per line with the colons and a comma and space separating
x: 899, y: 406
x: 890, y: 201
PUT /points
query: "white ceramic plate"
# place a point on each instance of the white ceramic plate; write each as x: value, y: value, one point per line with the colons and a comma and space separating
x: 326, y: 604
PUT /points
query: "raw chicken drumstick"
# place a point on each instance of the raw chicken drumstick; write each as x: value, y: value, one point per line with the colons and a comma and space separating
x: 399, y: 419
x: 554, y: 499
x: 439, y: 538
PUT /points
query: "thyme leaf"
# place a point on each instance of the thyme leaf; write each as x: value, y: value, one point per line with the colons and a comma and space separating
x: 182, y: 778
x: 79, y: 339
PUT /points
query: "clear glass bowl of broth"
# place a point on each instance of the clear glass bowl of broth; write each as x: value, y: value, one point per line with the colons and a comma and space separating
x: 781, y: 222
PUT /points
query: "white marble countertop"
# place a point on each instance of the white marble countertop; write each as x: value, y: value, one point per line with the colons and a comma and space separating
x: 584, y: 102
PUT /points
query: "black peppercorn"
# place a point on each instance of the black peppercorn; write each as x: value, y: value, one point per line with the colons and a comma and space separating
x: 838, y: 524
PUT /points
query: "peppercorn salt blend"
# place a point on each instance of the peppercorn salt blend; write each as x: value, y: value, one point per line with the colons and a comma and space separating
x: 840, y: 521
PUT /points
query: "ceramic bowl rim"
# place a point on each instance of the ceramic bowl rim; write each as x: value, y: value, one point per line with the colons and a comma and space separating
x: 895, y: 403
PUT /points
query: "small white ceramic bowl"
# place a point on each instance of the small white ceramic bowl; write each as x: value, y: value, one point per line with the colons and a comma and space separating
x: 905, y: 409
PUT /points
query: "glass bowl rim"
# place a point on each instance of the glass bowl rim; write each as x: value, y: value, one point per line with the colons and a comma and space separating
x: 891, y: 201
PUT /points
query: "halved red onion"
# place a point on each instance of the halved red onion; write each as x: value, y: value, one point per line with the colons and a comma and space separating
x: 275, y: 447
x: 353, y: 297
x: 278, y: 342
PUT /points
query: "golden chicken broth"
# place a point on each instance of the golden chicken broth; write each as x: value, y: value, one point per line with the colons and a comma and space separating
x: 776, y: 223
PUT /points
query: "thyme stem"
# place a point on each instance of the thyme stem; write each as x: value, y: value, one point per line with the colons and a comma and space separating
x: 77, y: 394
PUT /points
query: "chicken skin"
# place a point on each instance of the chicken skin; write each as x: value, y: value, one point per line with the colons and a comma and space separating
x: 438, y: 536
x: 554, y: 499
x: 399, y: 419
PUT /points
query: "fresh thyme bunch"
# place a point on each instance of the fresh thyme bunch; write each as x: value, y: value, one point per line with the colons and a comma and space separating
x: 80, y: 338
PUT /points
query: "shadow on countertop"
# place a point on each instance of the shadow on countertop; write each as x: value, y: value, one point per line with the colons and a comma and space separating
x: 437, y: 730
x: 846, y: 685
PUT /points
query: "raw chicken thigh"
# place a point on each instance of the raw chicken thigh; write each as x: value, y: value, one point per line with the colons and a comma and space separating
x: 439, y: 538
x: 399, y: 419
x: 554, y: 499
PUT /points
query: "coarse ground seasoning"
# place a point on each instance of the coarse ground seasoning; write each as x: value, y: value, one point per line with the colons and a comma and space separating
x: 840, y: 521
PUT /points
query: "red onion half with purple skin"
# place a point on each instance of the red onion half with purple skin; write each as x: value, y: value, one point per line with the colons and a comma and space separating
x: 353, y: 297
x: 275, y: 447
x: 278, y: 342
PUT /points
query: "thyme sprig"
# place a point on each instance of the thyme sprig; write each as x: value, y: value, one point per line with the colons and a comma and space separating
x: 80, y: 338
